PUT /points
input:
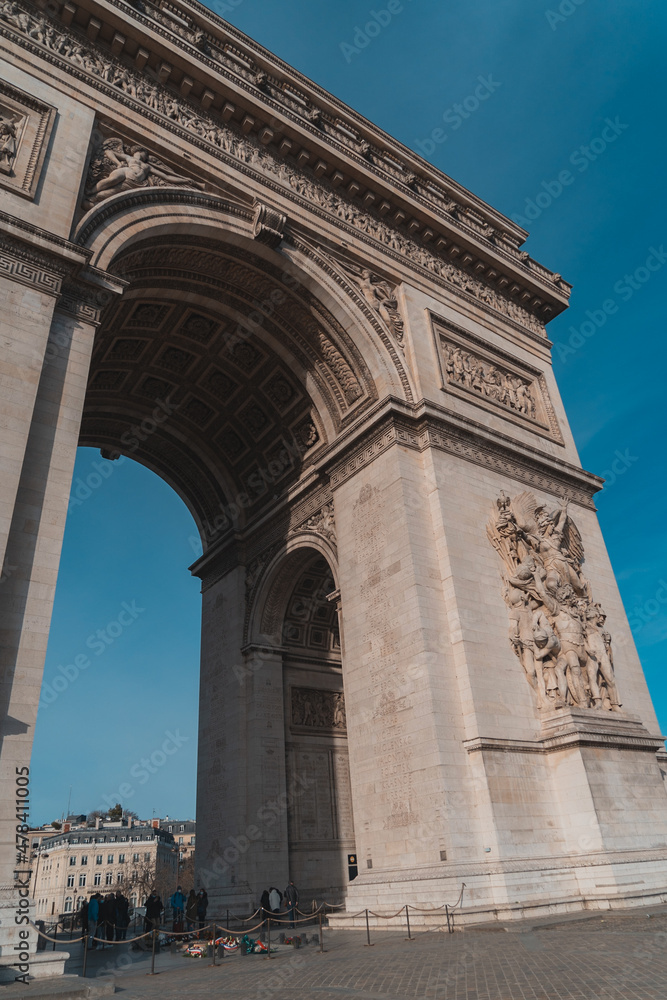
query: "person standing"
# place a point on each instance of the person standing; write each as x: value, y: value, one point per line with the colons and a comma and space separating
x: 191, y: 910
x: 275, y: 899
x: 122, y: 915
x: 202, y: 907
x: 154, y: 908
x: 108, y: 917
x: 82, y: 917
x: 264, y: 905
x: 177, y: 902
x: 93, y: 917
x: 292, y: 900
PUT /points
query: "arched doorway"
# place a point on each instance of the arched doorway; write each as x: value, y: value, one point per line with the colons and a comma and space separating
x: 230, y: 369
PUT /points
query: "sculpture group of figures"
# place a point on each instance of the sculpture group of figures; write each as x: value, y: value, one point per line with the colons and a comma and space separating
x: 504, y: 387
x: 318, y: 709
x: 9, y: 127
x: 157, y: 98
x: 556, y: 629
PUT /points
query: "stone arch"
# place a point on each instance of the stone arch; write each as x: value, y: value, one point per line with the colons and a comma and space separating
x: 269, y: 594
x: 123, y: 220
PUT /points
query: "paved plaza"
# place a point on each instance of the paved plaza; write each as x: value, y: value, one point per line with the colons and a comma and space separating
x: 610, y: 956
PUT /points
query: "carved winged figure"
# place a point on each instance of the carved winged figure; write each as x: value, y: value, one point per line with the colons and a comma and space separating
x: 379, y: 295
x: 556, y: 630
x: 114, y: 170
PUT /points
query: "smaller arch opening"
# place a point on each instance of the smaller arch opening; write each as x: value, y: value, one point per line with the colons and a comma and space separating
x: 320, y: 822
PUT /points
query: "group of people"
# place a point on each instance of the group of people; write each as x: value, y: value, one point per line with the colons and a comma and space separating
x: 105, y: 917
x: 272, y: 901
x: 189, y: 912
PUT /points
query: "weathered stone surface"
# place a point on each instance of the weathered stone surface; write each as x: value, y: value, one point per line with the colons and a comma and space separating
x: 340, y: 368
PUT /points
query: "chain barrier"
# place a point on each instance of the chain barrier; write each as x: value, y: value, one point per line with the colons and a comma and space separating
x: 284, y: 919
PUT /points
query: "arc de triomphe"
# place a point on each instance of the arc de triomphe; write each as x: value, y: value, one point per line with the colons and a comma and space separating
x: 413, y: 646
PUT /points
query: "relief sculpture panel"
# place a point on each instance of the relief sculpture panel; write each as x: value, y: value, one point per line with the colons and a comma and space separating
x: 557, y: 630
x: 494, y: 380
x: 317, y: 709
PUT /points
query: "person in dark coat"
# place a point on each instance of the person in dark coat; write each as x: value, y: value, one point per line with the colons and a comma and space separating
x: 93, y: 918
x: 264, y: 905
x: 191, y: 910
x: 202, y: 907
x: 108, y: 917
x: 122, y: 915
x: 82, y: 917
x: 292, y: 900
x: 154, y: 908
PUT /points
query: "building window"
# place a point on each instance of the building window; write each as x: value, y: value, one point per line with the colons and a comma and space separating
x: 84, y: 859
x: 70, y: 881
x: 147, y: 856
x: 109, y: 859
x: 121, y: 859
x: 112, y: 840
x: 98, y: 859
x: 75, y: 840
x: 80, y: 901
x: 72, y: 860
x: 192, y: 840
x: 82, y: 879
x: 135, y: 857
x: 171, y: 829
x: 181, y: 855
x: 180, y: 840
x: 98, y: 878
x: 181, y: 828
x: 119, y: 878
x: 133, y: 899
x: 68, y: 904
x: 109, y: 878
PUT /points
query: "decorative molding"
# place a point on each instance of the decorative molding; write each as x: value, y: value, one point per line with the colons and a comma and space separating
x: 27, y: 268
x: 468, y: 441
x: 481, y: 373
x: 25, y: 128
x: 566, y: 741
x: 90, y: 63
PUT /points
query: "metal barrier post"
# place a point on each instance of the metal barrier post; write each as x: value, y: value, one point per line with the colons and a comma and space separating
x: 85, y: 955
x: 268, y: 928
x: 321, y: 936
x: 368, y: 933
x: 152, y: 972
x: 55, y: 935
x: 214, y: 944
x: 228, y: 919
x: 407, y: 917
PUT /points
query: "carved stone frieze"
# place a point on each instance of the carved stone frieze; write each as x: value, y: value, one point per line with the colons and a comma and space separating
x: 476, y: 371
x: 127, y: 83
x: 116, y: 167
x: 323, y: 522
x: 314, y: 708
x: 25, y: 128
x: 379, y: 295
x: 556, y: 629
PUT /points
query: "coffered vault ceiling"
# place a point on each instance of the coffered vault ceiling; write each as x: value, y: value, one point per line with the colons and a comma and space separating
x: 207, y: 375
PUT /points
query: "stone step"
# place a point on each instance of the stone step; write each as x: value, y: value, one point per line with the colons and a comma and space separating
x: 62, y: 988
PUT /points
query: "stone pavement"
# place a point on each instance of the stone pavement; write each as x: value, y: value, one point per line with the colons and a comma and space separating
x: 608, y: 956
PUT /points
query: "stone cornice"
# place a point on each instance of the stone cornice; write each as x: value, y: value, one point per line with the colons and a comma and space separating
x: 426, y: 426
x: 566, y: 741
x: 526, y: 293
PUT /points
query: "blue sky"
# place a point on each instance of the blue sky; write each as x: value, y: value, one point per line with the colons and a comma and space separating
x: 555, y: 77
